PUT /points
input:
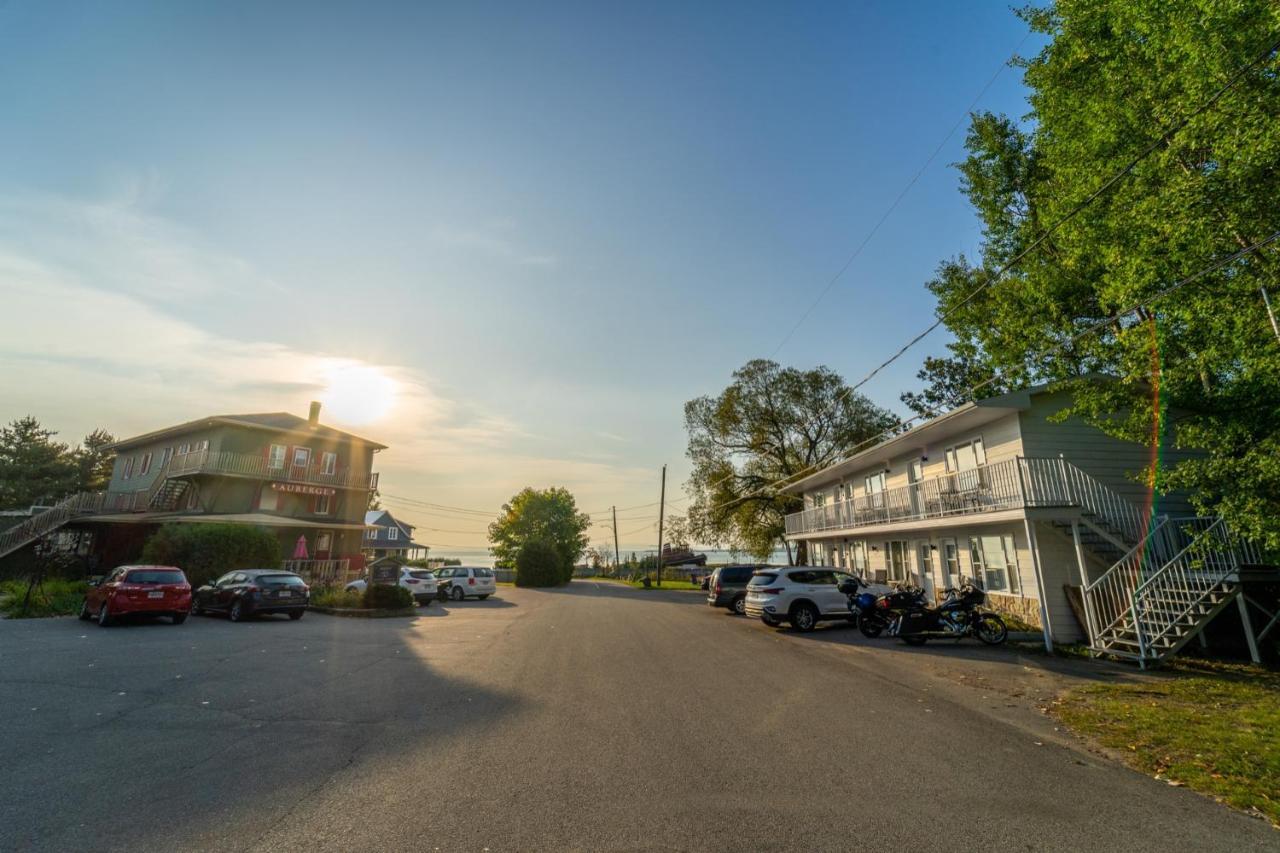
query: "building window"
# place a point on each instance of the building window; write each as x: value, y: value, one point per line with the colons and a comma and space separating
x: 896, y: 558
x: 322, y: 505
x: 951, y: 561
x: 328, y: 463
x: 858, y: 557
x: 165, y: 456
x: 146, y: 465
x: 203, y: 444
x: 967, y: 456
x: 191, y: 498
x: 393, y: 533
x: 995, y: 562
x: 874, y: 484
x: 127, y: 471
x: 184, y: 449
x: 275, y: 457
x: 301, y: 457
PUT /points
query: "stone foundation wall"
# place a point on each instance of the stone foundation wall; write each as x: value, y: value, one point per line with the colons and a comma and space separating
x: 1026, y: 609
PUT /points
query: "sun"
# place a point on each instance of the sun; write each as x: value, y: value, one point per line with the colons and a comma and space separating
x: 358, y: 393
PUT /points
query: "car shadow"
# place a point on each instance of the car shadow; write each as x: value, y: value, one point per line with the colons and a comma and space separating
x: 595, y: 588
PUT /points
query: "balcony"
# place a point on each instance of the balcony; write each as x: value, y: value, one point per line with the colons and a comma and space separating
x: 1016, y: 483
x: 258, y: 467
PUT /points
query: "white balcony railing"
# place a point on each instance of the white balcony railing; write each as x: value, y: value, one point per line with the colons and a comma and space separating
x: 320, y: 572
x: 1012, y: 484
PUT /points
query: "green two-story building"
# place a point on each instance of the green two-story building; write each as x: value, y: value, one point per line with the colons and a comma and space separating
x: 305, y: 482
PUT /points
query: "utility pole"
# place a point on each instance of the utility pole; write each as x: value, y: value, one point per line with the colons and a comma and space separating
x: 617, y: 556
x: 1271, y: 315
x: 662, y: 514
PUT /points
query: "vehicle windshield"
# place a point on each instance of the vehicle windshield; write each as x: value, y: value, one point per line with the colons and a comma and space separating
x: 156, y: 576
x: 763, y: 579
x: 291, y: 580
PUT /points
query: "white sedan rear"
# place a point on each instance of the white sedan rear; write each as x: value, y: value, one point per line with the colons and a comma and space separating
x: 420, y: 583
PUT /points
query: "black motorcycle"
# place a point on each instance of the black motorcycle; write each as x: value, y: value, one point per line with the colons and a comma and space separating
x: 959, y: 615
x: 873, y: 613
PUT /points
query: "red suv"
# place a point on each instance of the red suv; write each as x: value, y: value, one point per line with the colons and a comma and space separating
x: 149, y: 590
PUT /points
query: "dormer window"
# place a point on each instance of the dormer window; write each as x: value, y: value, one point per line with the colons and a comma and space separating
x: 393, y: 533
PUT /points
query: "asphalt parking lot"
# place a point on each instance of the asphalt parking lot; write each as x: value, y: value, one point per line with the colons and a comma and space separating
x: 591, y: 717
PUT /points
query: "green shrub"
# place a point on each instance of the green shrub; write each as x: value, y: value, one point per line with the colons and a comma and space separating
x: 383, y: 597
x: 207, y: 551
x: 55, y: 597
x: 336, y: 596
x: 539, y: 564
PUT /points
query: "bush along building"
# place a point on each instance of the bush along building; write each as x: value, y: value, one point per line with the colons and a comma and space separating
x: 387, y: 536
x: 1046, y: 514
x: 305, y: 482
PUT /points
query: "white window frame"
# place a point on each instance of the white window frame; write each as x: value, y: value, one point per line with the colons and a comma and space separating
x: 979, y: 454
x: 947, y: 558
x: 328, y: 462
x: 1007, y: 554
x: 293, y: 460
x: 184, y: 449
x: 873, y: 484
x: 904, y: 549
x: 393, y: 533
x: 858, y: 557
x: 145, y: 467
x: 166, y: 455
x: 276, y: 462
x: 127, y: 471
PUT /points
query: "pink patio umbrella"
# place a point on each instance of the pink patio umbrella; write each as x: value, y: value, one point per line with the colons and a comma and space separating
x: 300, y: 549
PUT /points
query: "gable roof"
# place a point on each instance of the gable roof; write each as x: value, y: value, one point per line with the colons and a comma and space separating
x: 384, y: 518
x: 280, y: 422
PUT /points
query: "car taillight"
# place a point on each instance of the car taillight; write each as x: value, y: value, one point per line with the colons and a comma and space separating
x: 410, y: 580
x: 471, y: 581
x: 883, y: 603
x: 717, y: 587
x: 775, y: 590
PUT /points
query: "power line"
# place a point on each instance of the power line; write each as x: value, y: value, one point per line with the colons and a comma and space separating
x: 1060, y: 345
x: 1168, y: 134
x: 894, y: 206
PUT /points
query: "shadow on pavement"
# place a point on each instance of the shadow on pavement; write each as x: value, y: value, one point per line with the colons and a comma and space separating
x: 220, y: 728
x: 618, y: 590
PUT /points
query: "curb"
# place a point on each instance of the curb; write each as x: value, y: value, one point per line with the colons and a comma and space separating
x: 363, y: 612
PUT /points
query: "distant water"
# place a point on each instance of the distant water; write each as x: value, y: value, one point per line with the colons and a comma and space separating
x: 480, y: 556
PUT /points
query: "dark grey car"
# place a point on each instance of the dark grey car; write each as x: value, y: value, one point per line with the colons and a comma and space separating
x: 728, y: 587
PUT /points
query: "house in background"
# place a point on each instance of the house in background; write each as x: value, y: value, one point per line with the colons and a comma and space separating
x: 305, y: 482
x: 385, y: 536
x: 1037, y: 509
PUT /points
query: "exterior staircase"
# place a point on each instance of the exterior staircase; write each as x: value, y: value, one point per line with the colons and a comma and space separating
x: 1162, y: 593
x: 43, y: 523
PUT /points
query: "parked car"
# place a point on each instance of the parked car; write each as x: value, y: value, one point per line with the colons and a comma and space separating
x: 459, y: 582
x: 250, y: 592
x: 138, y: 590
x: 800, y: 595
x: 420, y: 583
x: 727, y: 587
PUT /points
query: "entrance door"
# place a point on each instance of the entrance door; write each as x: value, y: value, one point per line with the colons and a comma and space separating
x: 925, y: 566
x: 915, y: 473
x: 324, y: 545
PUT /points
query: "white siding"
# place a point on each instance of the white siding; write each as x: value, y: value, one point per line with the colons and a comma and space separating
x: 1109, y: 460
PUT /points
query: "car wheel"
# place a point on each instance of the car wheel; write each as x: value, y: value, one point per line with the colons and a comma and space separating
x: 295, y: 615
x: 457, y: 594
x: 84, y: 611
x: 196, y: 609
x: 179, y: 618
x: 236, y: 613
x: 739, y: 606
x: 804, y: 617
x: 104, y: 615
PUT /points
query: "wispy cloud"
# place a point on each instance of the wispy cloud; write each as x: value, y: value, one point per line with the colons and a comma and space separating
x: 495, y: 242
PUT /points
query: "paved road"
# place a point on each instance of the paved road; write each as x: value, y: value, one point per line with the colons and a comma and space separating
x: 594, y: 717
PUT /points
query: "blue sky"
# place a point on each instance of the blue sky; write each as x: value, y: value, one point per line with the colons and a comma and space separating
x: 548, y: 224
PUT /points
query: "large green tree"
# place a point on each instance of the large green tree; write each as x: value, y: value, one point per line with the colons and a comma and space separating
x: 95, y: 460
x: 772, y: 423
x: 1197, y: 367
x: 549, y: 516
x: 34, y: 468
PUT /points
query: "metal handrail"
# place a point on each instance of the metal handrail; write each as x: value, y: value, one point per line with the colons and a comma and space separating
x: 49, y: 520
x: 1110, y: 596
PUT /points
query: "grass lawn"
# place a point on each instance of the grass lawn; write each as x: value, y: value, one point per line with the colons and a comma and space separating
x: 56, y: 597
x: 666, y: 584
x: 1213, y: 727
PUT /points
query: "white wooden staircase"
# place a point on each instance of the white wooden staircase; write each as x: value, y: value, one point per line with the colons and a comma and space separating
x: 1164, y: 591
x: 43, y: 523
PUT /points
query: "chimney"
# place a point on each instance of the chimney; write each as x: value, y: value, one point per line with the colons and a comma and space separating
x: 314, y: 417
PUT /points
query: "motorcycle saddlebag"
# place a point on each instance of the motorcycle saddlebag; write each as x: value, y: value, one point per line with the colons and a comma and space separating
x: 917, y: 621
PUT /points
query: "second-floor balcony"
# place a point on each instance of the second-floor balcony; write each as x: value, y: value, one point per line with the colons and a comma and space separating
x: 1017, y: 483
x: 259, y: 467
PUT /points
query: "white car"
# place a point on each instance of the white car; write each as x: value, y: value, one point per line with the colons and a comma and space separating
x: 420, y: 583
x: 800, y: 595
x: 459, y: 582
